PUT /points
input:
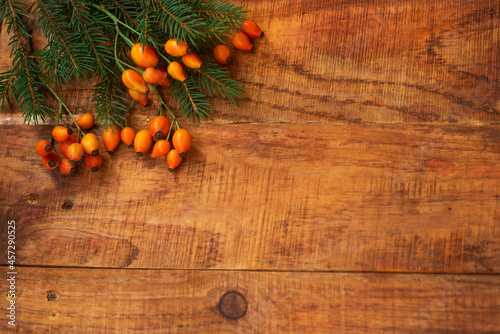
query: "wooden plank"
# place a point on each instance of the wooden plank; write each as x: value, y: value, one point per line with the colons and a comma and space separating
x: 287, y: 197
x: 349, y: 61
x: 158, y: 301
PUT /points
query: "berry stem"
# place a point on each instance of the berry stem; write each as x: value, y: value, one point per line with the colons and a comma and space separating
x: 63, y: 105
x: 162, y: 103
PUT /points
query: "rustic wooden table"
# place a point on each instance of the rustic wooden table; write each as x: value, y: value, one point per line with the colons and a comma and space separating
x: 355, y: 190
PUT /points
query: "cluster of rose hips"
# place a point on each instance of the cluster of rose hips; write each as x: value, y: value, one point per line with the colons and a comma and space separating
x: 72, y: 147
x: 75, y: 148
x: 156, y: 73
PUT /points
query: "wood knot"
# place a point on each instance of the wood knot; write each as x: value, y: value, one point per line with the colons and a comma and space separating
x: 54, y: 315
x: 67, y: 205
x: 233, y: 305
x: 52, y: 296
x: 31, y: 199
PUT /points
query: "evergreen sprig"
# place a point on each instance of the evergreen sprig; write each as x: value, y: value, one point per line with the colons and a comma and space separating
x: 214, y: 78
x: 61, y: 56
x: 89, y: 40
x: 23, y: 81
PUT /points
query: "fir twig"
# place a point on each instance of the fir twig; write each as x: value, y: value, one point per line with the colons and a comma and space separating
x: 26, y: 81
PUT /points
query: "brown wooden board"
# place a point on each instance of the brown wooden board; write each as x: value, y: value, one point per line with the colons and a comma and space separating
x: 160, y: 301
x: 368, y: 141
x: 349, y: 61
x: 287, y: 197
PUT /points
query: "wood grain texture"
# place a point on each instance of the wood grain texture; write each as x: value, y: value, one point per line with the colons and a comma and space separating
x: 337, y: 61
x: 368, y: 141
x: 158, y: 301
x: 287, y: 197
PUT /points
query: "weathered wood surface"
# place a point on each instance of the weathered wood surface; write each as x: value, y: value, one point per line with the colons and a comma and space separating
x: 159, y: 301
x: 345, y: 61
x: 288, y: 197
x: 368, y: 140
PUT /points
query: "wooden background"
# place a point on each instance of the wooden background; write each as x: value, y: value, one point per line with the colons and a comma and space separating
x: 355, y: 190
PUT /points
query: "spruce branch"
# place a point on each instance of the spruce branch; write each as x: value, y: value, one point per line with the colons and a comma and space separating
x: 192, y: 103
x: 214, y: 78
x: 25, y: 80
x: 7, y: 80
x: 90, y: 31
x: 219, y: 12
x: 178, y: 20
x: 61, y: 59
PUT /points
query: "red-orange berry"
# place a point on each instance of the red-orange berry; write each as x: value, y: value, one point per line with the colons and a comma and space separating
x: 142, y: 142
x: 192, y: 60
x: 152, y: 75
x: 176, y: 71
x: 63, y: 147
x: 159, y: 127
x: 128, y: 135
x: 134, y: 81
x: 93, y: 162
x: 241, y: 41
x: 176, y: 49
x: 182, y: 141
x: 51, y: 160
x: 223, y: 54
x: 61, y: 133
x: 161, y: 148
x: 141, y: 98
x: 144, y: 55
x: 173, y: 160
x: 43, y: 148
x: 91, y: 144
x: 111, y: 138
x: 166, y: 81
x: 66, y: 168
x: 75, y: 153
x: 251, y: 29
x: 86, y: 121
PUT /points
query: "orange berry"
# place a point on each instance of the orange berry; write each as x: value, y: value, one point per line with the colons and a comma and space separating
x: 182, y: 141
x: 43, y: 147
x: 93, y: 162
x: 144, y: 56
x: 91, y: 144
x: 176, y: 50
x: 128, y: 135
x: 142, y: 142
x: 141, y: 98
x: 63, y: 147
x: 166, y: 81
x: 251, y: 29
x: 223, y: 55
x: 159, y: 127
x: 176, y: 71
x: 66, y: 168
x: 241, y: 41
x: 51, y: 160
x: 75, y: 153
x: 192, y: 60
x: 161, y: 148
x: 134, y: 81
x: 86, y: 121
x: 173, y: 160
x: 111, y: 138
x: 60, y: 133
x: 152, y: 75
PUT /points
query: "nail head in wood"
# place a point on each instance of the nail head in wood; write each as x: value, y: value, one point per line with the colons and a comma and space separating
x: 233, y: 305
